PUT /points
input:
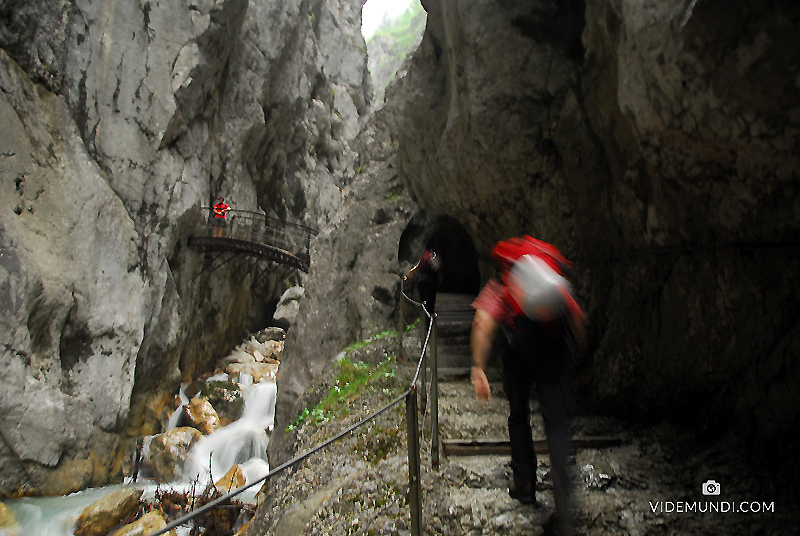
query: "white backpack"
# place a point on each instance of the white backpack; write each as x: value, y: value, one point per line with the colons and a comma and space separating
x: 538, y: 289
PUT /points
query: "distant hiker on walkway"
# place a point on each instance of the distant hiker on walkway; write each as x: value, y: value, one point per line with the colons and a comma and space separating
x: 427, y: 270
x: 220, y: 208
x: 532, y: 304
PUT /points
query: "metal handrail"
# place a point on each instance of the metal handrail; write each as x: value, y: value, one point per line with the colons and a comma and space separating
x: 413, y: 442
x: 269, y: 221
x: 433, y: 366
x: 262, y: 229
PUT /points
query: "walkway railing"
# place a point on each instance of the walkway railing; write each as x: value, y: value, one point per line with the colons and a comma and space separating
x: 257, y: 234
x: 413, y: 433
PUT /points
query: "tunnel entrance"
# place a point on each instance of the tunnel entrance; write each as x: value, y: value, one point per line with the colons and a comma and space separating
x: 450, y: 239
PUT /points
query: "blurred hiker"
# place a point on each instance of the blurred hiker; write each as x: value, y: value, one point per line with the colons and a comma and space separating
x: 532, y: 305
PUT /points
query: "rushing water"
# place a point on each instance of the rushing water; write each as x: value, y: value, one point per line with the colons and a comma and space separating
x: 176, y: 415
x: 243, y: 441
x: 51, y: 516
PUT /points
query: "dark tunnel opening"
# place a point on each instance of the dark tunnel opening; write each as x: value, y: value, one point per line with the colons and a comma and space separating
x: 450, y: 239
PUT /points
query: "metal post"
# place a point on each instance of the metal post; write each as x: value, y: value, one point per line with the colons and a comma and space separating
x: 422, y: 332
x: 425, y: 362
x: 402, y: 329
x: 414, y: 484
x: 434, y: 396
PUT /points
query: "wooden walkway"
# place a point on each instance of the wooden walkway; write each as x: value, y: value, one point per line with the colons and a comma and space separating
x: 252, y: 233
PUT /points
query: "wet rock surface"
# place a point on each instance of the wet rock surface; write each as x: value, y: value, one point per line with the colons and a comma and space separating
x: 147, y: 524
x: 169, y: 450
x: 105, y: 513
x: 203, y: 415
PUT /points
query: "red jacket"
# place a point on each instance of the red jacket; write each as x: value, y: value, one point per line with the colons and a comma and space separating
x: 220, y: 209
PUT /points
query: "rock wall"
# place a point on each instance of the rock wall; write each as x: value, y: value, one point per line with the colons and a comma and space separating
x: 704, y: 108
x: 122, y: 119
x: 353, y: 289
x: 656, y: 144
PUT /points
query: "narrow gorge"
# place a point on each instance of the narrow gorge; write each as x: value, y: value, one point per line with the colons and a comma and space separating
x: 657, y: 144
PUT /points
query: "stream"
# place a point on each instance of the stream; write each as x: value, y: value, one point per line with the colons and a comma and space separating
x: 244, y: 441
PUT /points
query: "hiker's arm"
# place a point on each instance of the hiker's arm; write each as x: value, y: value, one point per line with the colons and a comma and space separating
x: 484, y: 328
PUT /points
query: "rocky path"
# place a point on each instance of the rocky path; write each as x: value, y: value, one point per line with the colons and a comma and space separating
x: 650, y: 484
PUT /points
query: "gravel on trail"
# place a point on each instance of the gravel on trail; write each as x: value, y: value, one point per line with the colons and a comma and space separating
x: 652, y: 483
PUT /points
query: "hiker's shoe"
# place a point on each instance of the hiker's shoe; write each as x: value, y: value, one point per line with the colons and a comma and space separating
x: 525, y: 494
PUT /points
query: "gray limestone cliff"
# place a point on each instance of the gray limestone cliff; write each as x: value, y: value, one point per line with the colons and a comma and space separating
x: 121, y: 121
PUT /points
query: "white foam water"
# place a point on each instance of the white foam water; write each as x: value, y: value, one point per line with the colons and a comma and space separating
x: 243, y: 441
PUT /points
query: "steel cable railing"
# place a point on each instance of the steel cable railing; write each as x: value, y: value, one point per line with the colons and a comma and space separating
x: 432, y: 393
x: 412, y: 434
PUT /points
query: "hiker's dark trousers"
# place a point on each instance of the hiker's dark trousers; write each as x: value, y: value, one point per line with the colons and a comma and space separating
x: 538, y: 352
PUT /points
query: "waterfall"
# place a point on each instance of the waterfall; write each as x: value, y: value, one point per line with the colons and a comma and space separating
x: 242, y: 441
x: 176, y: 415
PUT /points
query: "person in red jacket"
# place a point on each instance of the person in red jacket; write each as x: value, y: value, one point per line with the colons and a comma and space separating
x: 428, y: 273
x: 220, y: 209
x: 538, y: 351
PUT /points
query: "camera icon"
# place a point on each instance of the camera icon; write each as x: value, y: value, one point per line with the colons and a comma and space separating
x: 711, y: 487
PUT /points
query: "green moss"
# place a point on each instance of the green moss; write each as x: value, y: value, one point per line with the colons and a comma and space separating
x: 366, y: 342
x: 225, y: 397
x: 352, y: 380
x: 376, y: 446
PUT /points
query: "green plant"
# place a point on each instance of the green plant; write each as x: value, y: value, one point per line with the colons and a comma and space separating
x: 350, y: 382
x: 413, y: 324
x: 366, y: 342
x: 401, y: 29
